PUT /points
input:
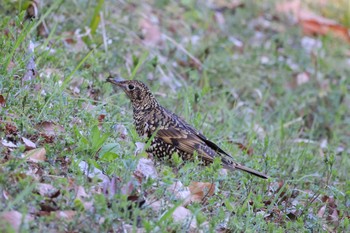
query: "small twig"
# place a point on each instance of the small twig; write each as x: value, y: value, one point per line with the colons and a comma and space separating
x: 207, y: 193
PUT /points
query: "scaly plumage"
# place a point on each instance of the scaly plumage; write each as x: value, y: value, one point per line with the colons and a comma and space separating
x: 173, y: 134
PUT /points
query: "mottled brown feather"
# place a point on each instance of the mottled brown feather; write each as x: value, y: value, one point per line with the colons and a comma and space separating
x: 173, y: 134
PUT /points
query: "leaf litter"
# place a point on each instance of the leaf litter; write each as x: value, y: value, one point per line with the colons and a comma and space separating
x: 197, y: 192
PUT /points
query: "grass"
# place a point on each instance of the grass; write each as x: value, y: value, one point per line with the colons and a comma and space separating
x: 298, y: 132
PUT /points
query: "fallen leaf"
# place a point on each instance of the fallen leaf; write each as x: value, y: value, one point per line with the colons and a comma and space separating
x: 182, y: 214
x: 181, y: 192
x: 74, y: 41
x: 8, y: 144
x: 146, y: 168
x: 2, y: 101
x: 150, y: 32
x: 127, y: 188
x: 11, y: 66
x: 28, y: 143
x: 156, y: 205
x: 310, y: 44
x: 83, y: 197
x: 10, y: 221
x: 302, y: 78
x: 65, y: 214
x: 248, y: 150
x: 127, y: 228
x: 111, y: 187
x: 93, y: 172
x: 36, y: 155
x: 49, y: 128
x: 312, y: 23
x: 219, y: 18
x: 298, y: 80
x: 101, y: 118
x: 11, y: 129
x: 139, y: 147
x: 201, y: 190
x: 121, y: 131
x: 47, y: 190
x: 259, y: 130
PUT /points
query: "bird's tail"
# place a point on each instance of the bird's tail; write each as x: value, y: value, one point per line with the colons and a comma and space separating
x: 246, y: 169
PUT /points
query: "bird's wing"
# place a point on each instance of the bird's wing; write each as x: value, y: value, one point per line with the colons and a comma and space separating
x: 209, y: 143
x: 191, y: 139
x: 186, y: 141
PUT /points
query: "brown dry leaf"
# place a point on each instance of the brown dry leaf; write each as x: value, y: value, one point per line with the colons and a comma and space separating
x: 311, y: 23
x: 151, y: 33
x: 47, y: 190
x: 10, y: 128
x: 329, y: 211
x: 12, y: 220
x: 2, y: 101
x: 321, y: 211
x: 28, y: 143
x: 201, y: 190
x: 100, y: 119
x: 248, y: 150
x: 33, y: 13
x: 36, y: 155
x: 49, y: 128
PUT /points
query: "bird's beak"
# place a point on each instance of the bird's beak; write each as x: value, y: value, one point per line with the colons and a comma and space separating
x: 116, y: 80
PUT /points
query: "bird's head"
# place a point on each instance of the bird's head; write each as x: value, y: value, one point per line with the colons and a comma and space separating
x: 139, y: 94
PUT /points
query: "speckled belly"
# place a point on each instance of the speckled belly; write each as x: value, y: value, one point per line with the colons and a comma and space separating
x: 164, y: 151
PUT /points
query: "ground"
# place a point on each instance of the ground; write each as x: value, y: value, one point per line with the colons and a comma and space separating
x: 244, y: 74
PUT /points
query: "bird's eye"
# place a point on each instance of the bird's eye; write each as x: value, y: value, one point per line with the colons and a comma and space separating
x: 131, y: 87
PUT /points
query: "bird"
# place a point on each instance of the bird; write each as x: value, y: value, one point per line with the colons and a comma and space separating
x: 170, y: 133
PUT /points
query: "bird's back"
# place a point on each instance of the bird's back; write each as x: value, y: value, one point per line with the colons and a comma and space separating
x: 171, y: 134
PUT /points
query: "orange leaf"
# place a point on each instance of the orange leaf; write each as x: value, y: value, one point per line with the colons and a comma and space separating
x: 311, y: 23
x: 201, y: 190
